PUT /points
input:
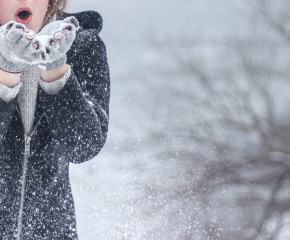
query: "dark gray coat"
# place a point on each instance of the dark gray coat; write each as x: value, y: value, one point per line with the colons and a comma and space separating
x: 70, y: 126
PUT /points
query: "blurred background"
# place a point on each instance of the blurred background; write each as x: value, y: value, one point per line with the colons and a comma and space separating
x: 198, y: 144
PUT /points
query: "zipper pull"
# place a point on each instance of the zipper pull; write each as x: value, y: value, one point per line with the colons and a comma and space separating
x: 27, y: 145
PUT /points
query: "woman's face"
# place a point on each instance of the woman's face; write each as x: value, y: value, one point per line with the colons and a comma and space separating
x: 28, y: 12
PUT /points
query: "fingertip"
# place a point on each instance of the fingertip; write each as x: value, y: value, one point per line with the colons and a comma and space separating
x: 72, y: 20
x: 52, y: 43
x: 20, y: 26
x: 29, y: 36
x: 58, y: 36
x: 68, y: 28
x: 35, y: 45
x: 9, y: 26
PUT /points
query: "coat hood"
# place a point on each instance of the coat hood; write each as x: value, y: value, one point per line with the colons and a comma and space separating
x: 87, y: 19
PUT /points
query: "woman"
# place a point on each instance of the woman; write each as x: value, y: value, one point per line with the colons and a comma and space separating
x: 54, y: 99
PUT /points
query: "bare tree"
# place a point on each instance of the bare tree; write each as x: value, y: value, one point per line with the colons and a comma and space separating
x: 241, y: 126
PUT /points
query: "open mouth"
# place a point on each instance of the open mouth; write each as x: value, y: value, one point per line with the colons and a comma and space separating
x: 23, y: 15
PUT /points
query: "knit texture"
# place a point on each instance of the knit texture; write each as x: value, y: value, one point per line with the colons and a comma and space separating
x: 9, y: 66
x: 27, y: 90
x: 27, y: 96
x: 16, y: 51
x: 54, y: 56
x: 55, y: 86
x: 8, y: 94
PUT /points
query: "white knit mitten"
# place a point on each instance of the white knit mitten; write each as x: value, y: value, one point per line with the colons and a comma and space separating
x: 16, y: 51
x: 55, y: 39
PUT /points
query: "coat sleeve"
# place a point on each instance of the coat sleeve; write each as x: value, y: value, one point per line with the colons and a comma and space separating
x: 8, y: 102
x: 78, y: 114
x: 7, y: 110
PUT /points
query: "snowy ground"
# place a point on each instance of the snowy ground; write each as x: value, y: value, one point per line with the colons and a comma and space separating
x: 138, y: 187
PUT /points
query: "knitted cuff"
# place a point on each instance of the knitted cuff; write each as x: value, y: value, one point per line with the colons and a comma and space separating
x: 11, y: 67
x: 55, y: 86
x: 8, y: 94
x: 54, y: 65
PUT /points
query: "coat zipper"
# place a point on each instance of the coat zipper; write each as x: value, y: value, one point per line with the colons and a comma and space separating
x: 27, y: 144
x: 27, y: 140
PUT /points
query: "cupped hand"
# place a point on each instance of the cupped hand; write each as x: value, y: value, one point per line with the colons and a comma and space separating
x: 16, y: 46
x: 55, y: 39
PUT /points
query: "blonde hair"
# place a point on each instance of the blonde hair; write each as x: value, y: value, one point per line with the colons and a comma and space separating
x: 54, y: 7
